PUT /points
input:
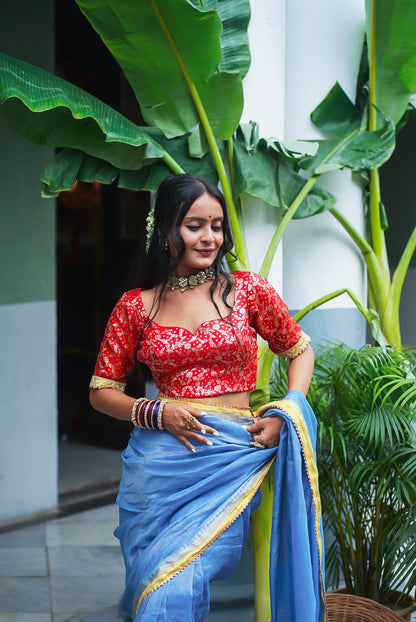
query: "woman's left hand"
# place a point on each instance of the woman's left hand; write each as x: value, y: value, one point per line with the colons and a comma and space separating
x: 266, y: 431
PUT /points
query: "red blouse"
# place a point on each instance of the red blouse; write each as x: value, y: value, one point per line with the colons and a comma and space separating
x: 210, y: 361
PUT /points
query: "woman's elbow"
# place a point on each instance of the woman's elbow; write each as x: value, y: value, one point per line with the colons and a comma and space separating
x: 93, y: 398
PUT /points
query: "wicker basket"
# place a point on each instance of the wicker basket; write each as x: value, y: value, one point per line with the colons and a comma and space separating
x: 349, y: 608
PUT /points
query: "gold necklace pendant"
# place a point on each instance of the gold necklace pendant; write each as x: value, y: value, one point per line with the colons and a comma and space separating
x: 189, y: 282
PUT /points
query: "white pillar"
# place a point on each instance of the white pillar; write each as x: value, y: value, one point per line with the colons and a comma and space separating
x: 264, y: 103
x: 323, y: 45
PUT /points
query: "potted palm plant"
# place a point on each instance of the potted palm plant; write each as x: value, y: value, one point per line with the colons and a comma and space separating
x: 365, y: 402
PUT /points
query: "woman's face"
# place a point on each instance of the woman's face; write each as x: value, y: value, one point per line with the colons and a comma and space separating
x: 202, y: 233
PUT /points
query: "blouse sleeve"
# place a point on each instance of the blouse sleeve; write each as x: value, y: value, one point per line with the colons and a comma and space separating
x: 270, y: 317
x: 117, y: 355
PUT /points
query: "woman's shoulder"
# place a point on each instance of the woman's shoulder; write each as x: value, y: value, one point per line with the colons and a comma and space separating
x: 132, y: 301
x: 251, y: 279
x: 131, y: 296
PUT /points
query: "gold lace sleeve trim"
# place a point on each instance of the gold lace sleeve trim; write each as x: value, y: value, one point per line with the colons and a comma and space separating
x: 297, y: 349
x: 106, y: 383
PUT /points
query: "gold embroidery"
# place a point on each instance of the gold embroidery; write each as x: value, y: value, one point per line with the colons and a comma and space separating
x: 106, y: 383
x: 212, y: 406
x: 297, y: 349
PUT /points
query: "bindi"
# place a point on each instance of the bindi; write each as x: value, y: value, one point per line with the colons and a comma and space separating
x: 209, y: 216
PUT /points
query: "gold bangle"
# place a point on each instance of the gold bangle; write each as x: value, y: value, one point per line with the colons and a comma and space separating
x: 160, y: 415
x: 133, y: 417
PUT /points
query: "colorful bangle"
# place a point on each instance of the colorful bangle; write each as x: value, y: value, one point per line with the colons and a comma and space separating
x: 134, y: 409
x: 148, y: 414
x: 139, y: 413
x: 154, y: 414
x: 162, y: 404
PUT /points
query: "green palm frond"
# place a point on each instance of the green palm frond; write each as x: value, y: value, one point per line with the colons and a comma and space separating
x: 376, y: 427
x: 365, y: 402
x: 332, y: 567
x: 401, y: 557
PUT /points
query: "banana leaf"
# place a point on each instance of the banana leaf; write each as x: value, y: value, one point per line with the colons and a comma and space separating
x: 71, y: 165
x: 51, y: 112
x: 391, y: 43
x: 235, y: 50
x: 316, y: 201
x: 255, y: 174
x: 353, y: 147
x: 361, y: 151
x: 263, y: 169
x: 336, y: 115
x: 170, y: 52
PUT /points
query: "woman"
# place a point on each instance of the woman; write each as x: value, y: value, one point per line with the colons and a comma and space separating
x: 196, y: 456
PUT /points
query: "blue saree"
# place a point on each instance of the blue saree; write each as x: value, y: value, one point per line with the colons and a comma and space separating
x: 184, y: 517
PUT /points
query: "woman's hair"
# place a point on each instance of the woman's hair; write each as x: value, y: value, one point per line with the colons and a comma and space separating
x: 174, y: 197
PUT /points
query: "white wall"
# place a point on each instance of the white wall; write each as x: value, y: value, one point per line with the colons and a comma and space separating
x: 299, y: 50
x: 28, y: 447
x: 28, y: 410
x: 264, y: 103
x: 323, y: 45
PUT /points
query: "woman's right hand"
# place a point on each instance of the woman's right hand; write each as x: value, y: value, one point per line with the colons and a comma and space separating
x: 183, y: 421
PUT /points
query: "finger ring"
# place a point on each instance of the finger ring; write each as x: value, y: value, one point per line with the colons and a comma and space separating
x: 189, y: 422
x: 258, y: 445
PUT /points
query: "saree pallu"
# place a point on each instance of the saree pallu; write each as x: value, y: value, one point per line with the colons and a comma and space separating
x: 184, y: 516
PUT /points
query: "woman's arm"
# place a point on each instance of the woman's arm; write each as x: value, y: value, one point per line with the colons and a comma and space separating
x: 175, y: 415
x: 300, y: 371
x: 112, y: 402
x: 267, y: 431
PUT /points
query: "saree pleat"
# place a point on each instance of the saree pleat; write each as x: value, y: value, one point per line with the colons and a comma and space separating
x: 184, y: 518
x: 296, y: 546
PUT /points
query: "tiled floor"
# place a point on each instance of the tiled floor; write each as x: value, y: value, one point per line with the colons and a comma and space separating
x: 70, y: 570
x: 61, y: 570
x: 83, y: 466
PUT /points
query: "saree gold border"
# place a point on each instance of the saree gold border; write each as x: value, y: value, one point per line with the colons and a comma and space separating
x: 234, y: 514
x: 295, y: 415
x: 209, y: 406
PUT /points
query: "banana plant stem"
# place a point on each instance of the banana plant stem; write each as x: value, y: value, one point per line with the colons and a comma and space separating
x: 379, y: 280
x: 377, y: 234
x: 320, y: 301
x: 239, y: 247
x: 271, y: 251
x: 237, y: 201
x: 261, y: 525
x: 372, y: 68
x: 391, y: 319
x: 234, y: 221
x: 173, y: 165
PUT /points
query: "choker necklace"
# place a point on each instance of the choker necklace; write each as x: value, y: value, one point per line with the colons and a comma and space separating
x: 189, y: 282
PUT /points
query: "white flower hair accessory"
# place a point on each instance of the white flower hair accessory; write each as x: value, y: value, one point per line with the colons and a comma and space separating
x: 150, y: 227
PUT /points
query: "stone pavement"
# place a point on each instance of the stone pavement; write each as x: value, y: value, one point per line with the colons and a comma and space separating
x: 61, y: 570
x: 70, y: 569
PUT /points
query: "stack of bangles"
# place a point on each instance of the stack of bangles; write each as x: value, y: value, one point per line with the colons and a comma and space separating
x: 148, y: 414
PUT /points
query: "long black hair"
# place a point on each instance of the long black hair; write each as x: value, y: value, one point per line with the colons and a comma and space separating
x: 174, y: 197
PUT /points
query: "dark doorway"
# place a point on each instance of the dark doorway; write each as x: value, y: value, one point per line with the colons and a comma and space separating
x: 397, y: 193
x: 99, y: 231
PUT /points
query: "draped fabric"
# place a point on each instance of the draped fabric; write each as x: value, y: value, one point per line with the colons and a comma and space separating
x: 184, y: 517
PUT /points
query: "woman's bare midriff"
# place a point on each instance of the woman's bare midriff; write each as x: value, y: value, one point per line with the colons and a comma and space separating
x: 233, y: 400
